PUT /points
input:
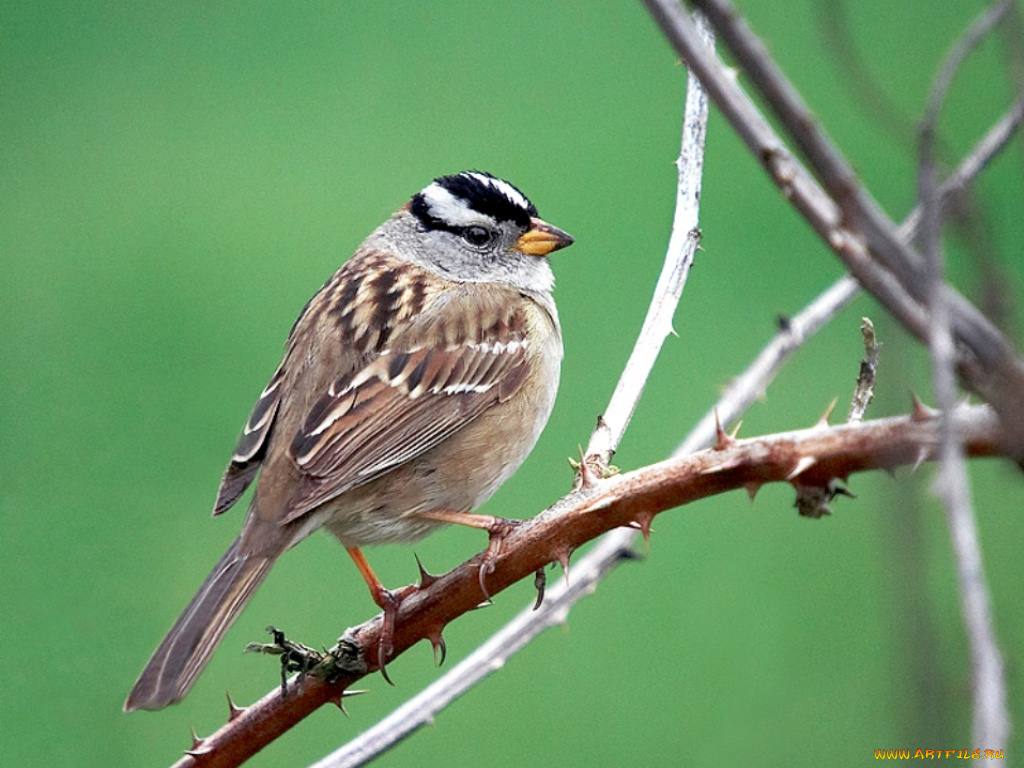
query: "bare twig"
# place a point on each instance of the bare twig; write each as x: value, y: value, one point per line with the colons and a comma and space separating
x: 679, y: 257
x: 969, y: 40
x: 791, y: 177
x: 991, y: 717
x: 987, y: 148
x: 860, y: 210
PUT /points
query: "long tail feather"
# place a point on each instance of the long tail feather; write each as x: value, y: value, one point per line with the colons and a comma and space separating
x: 181, y: 656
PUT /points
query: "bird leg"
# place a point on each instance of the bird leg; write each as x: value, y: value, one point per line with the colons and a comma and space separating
x: 387, y: 601
x: 498, y: 528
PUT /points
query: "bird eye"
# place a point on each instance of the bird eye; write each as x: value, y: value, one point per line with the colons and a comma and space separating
x: 477, y: 236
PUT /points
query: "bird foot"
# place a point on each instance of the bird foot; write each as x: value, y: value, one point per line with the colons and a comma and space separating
x: 389, y: 601
x: 498, y: 530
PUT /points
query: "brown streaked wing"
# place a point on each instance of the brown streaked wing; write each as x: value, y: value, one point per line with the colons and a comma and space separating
x: 400, y: 406
x: 251, y: 446
x: 360, y: 303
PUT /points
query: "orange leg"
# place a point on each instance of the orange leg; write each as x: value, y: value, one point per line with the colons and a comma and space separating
x: 497, y: 528
x: 386, y: 600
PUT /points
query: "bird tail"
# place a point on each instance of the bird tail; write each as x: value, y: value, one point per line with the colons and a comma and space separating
x: 181, y: 656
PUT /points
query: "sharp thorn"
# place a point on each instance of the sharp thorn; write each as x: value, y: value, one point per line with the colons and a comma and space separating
x: 922, y: 454
x: 234, y: 711
x: 921, y: 411
x: 752, y: 489
x: 426, y: 578
x: 563, y: 559
x: 643, y: 524
x: 586, y: 475
x: 823, y: 421
x: 199, y: 746
x: 805, y: 463
x: 722, y: 440
x: 736, y: 429
x: 483, y: 582
x: 339, y: 702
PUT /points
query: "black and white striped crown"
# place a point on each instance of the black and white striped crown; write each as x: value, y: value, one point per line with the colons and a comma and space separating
x: 457, y: 201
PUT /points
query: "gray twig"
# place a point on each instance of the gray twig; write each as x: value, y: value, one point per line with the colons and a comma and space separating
x: 679, y: 256
x: 991, y: 722
x: 852, y: 224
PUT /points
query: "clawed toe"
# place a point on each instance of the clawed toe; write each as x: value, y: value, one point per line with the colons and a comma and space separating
x: 389, y: 602
x: 499, y: 530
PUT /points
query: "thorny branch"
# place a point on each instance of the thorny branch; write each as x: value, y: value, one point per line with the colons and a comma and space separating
x: 961, y: 338
x: 810, y: 458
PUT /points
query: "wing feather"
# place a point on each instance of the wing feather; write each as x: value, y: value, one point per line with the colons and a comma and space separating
x: 251, y: 446
x: 402, y: 404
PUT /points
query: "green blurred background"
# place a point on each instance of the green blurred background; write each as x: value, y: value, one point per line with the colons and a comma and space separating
x: 176, y: 179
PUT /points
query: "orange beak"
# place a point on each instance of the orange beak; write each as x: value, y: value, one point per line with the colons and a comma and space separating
x: 542, y: 238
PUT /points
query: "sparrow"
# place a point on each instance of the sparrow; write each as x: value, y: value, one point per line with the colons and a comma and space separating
x: 414, y: 383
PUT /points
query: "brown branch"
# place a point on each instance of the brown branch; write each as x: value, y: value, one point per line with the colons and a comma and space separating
x: 811, y: 458
x: 611, y: 549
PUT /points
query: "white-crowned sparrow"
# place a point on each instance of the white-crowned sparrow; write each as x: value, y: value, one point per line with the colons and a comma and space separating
x: 414, y: 383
